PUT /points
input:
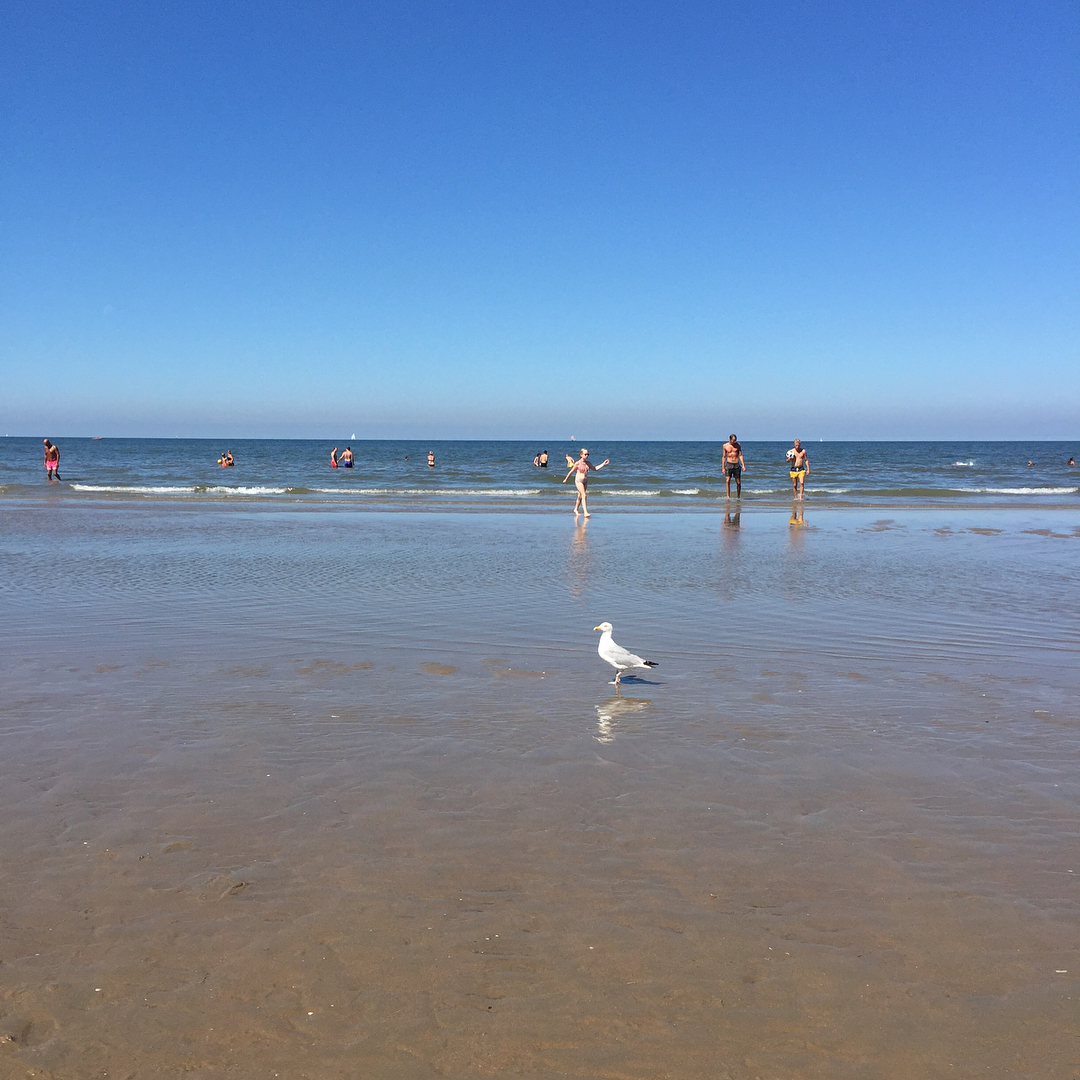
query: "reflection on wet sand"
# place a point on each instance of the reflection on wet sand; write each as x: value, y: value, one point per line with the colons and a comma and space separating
x: 611, y: 717
x: 796, y: 526
x: 577, y: 568
x: 303, y: 842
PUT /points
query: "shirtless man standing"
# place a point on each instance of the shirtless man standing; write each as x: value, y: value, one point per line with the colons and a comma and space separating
x: 733, y: 465
x: 799, y: 468
x: 52, y: 461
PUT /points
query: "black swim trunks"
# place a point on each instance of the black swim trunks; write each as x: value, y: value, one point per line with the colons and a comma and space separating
x: 733, y: 469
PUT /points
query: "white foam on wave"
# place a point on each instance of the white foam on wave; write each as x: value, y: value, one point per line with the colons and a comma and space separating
x: 498, y: 492
x: 963, y: 464
x: 186, y: 489
x: 1023, y: 491
x: 686, y: 491
x: 257, y: 490
x: 631, y: 493
x: 134, y: 489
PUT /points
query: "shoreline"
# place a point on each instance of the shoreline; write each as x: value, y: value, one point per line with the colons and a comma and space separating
x: 449, y: 501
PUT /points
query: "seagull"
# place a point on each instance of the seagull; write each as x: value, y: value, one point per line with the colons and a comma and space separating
x: 616, y: 655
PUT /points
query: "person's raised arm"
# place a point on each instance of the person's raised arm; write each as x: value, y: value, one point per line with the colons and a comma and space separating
x: 606, y: 461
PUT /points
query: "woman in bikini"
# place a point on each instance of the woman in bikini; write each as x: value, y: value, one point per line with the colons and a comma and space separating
x: 580, y: 471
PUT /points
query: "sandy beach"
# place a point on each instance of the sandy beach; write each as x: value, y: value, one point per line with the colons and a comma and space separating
x: 323, y: 793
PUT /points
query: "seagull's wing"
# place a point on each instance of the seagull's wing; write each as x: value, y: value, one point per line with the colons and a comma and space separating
x: 619, y: 657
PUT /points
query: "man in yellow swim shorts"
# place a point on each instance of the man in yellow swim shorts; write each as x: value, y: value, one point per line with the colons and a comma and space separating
x: 799, y: 467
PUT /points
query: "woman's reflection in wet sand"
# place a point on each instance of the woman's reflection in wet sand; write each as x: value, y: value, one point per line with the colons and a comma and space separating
x: 612, y: 716
x: 577, y: 567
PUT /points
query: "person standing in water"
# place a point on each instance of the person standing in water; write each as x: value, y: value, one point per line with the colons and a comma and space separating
x: 580, y: 471
x: 733, y: 465
x: 431, y: 459
x: 333, y: 458
x: 799, y: 468
x: 543, y: 459
x: 52, y: 462
x: 346, y: 458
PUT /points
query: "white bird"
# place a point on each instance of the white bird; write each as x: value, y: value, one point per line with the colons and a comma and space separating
x: 616, y: 655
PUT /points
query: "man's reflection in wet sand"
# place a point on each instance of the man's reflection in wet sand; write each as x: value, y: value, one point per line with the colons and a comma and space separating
x: 578, y: 565
x: 730, y: 528
x: 796, y: 523
x: 613, y: 714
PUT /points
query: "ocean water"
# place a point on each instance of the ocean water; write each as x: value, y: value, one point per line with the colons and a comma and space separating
x: 679, y: 475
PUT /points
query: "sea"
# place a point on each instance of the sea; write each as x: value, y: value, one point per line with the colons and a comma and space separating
x: 317, y: 773
x: 682, y: 475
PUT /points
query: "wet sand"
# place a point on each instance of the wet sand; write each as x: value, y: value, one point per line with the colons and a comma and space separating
x: 327, y: 794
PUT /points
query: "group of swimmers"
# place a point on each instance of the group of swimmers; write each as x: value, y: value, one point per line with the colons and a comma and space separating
x: 732, y: 458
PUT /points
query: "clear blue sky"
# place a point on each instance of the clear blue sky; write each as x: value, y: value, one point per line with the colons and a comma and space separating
x: 840, y: 219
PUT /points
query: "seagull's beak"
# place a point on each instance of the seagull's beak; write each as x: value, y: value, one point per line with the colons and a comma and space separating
x: 596, y: 627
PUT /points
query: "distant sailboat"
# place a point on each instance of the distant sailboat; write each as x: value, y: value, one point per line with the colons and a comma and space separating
x: 354, y: 434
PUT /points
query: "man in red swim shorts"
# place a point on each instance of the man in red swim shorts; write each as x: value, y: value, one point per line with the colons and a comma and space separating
x: 52, y: 462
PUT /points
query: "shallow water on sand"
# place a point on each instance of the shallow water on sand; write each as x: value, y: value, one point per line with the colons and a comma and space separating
x: 323, y: 793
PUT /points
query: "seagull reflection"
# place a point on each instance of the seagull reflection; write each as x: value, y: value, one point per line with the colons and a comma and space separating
x: 612, y: 716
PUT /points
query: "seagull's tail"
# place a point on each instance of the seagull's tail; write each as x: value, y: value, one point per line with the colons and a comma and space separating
x: 650, y: 663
